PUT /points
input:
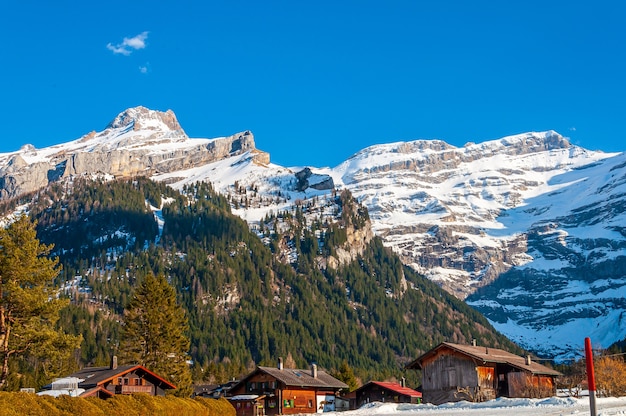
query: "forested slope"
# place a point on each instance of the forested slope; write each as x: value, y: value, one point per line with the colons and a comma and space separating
x: 247, y: 304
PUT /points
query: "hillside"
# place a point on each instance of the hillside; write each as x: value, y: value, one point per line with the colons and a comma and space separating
x: 298, y: 287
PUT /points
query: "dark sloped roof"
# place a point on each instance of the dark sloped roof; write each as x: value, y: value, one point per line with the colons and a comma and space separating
x: 95, y: 376
x: 395, y: 387
x: 302, y: 378
x: 95, y: 391
x: 489, y: 355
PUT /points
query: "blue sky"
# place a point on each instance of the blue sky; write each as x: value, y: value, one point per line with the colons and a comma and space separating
x: 317, y: 81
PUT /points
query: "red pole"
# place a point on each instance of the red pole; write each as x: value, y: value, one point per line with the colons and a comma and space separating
x: 591, y: 377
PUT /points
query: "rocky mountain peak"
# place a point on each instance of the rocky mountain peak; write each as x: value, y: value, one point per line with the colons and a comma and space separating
x: 536, y: 142
x: 142, y: 118
x: 139, y: 141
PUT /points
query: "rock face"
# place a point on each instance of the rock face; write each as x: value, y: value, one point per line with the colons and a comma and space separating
x: 529, y: 229
x: 138, y: 141
x: 307, y: 179
x: 357, y: 241
x: 441, y: 208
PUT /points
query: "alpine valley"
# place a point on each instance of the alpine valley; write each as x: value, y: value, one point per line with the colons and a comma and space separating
x: 529, y: 230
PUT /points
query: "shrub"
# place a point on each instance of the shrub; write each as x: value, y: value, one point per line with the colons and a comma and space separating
x: 20, y: 404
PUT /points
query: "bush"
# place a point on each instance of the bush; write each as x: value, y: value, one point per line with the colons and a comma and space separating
x: 20, y: 404
x: 610, y: 376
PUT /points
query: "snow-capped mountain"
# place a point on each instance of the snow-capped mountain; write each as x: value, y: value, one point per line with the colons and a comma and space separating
x: 530, y: 227
x: 138, y: 141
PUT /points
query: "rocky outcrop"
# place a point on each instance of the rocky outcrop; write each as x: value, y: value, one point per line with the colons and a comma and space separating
x: 357, y: 242
x: 429, y: 156
x: 137, y: 142
x: 147, y: 161
x: 307, y: 179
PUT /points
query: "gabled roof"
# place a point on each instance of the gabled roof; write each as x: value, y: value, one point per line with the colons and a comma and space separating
x: 99, y: 391
x: 96, y: 376
x: 299, y: 378
x: 395, y: 387
x: 487, y: 355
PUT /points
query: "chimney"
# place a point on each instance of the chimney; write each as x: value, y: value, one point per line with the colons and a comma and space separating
x: 314, y: 370
x: 486, y: 350
x: 114, y: 362
x: 403, y: 382
x: 528, y: 360
x: 280, y: 363
x: 474, y: 342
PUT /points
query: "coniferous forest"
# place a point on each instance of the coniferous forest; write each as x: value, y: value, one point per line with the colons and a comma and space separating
x: 245, y: 302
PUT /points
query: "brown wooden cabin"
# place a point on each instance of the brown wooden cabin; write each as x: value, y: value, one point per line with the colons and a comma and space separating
x: 248, y: 404
x: 386, y: 392
x: 454, y: 372
x: 104, y: 382
x: 283, y: 391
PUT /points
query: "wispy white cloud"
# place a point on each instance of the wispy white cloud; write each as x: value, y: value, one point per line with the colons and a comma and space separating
x: 129, y: 44
x: 144, y: 69
x: 572, y: 129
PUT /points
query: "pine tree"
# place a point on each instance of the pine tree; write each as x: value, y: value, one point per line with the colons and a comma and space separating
x: 346, y: 374
x: 29, y: 307
x: 155, y: 333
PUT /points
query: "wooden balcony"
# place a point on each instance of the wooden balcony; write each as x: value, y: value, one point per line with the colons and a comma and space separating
x: 136, y: 389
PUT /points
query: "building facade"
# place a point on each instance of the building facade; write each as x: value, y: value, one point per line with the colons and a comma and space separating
x: 454, y: 372
x: 283, y: 391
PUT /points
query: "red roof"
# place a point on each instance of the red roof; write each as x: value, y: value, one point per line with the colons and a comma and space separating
x: 395, y: 387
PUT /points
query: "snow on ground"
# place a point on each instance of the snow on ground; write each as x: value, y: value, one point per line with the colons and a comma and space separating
x: 553, y: 406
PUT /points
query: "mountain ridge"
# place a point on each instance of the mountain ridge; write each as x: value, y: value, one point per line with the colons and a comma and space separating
x: 465, y: 217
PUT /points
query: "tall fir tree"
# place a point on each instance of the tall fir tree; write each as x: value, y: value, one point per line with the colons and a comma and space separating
x: 29, y: 306
x: 155, y: 333
x: 346, y: 374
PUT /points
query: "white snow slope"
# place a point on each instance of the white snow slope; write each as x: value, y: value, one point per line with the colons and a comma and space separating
x: 554, y: 406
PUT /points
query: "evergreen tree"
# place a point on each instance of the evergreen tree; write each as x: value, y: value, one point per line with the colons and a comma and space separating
x: 154, y: 333
x: 346, y: 375
x: 29, y: 307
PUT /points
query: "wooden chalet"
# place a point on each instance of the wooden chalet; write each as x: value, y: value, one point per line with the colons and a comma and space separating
x: 283, y: 391
x: 386, y: 392
x: 454, y: 372
x: 104, y: 382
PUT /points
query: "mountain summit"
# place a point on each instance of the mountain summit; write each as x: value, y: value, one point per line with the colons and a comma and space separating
x: 143, y: 118
x: 138, y: 141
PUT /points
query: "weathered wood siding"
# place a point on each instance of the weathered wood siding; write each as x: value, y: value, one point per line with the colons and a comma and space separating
x: 453, y: 377
x: 531, y: 386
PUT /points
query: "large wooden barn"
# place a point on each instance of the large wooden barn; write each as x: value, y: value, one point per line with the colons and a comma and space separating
x: 454, y: 372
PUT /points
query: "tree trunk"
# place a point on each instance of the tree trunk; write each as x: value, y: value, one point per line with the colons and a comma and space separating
x: 4, y: 352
